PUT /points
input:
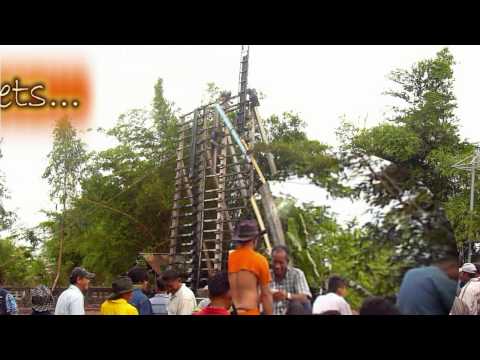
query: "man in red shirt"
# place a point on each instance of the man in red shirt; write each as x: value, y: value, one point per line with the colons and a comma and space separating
x: 219, y: 294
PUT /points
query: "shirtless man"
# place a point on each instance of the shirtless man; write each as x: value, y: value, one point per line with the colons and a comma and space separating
x: 248, y: 272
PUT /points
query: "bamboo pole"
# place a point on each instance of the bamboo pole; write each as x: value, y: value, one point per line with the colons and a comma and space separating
x: 261, y: 223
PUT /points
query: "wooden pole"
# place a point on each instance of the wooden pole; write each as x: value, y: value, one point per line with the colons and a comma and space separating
x: 271, y: 215
x: 261, y: 223
x: 263, y: 135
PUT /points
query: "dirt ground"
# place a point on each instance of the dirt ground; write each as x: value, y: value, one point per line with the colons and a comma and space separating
x: 88, y: 311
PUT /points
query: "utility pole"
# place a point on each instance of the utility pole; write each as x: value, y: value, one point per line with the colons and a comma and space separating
x: 471, y: 163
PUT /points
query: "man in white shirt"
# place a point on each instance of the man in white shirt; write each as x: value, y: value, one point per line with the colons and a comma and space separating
x: 182, y: 300
x: 469, y: 295
x: 466, y: 272
x: 334, y: 299
x: 71, y: 301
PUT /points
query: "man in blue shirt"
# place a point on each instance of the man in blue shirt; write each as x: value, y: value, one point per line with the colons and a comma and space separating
x: 139, y: 278
x: 161, y: 299
x: 429, y: 290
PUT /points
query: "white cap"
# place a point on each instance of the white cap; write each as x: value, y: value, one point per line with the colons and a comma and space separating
x: 469, y: 268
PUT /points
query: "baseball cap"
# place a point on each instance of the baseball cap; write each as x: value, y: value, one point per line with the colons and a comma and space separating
x: 81, y: 272
x: 468, y: 268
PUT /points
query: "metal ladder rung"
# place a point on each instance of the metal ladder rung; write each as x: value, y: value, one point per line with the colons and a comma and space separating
x: 185, y: 235
x: 230, y: 209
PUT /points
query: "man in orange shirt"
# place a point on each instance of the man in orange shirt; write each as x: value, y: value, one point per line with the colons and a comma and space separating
x: 248, y: 272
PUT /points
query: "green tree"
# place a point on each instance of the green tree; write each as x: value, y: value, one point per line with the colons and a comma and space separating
x: 126, y: 195
x: 19, y: 265
x: 403, y: 164
x: 321, y: 247
x: 64, y: 173
x: 298, y: 156
x: 7, y: 218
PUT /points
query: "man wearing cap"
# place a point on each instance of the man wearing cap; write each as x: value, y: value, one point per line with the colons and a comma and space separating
x: 247, y: 271
x: 117, y: 302
x: 467, y: 271
x: 42, y: 300
x: 71, y: 301
x: 469, y: 294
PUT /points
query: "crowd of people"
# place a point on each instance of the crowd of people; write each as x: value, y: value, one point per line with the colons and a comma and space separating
x: 253, y: 286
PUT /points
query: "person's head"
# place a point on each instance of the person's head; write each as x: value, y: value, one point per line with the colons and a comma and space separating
x: 477, y: 265
x: 297, y: 308
x: 337, y: 285
x: 467, y: 272
x: 331, y: 312
x: 122, y: 288
x: 161, y: 286
x: 173, y: 281
x: 219, y: 290
x: 377, y: 305
x: 280, y: 260
x: 42, y: 299
x: 449, y: 265
x: 81, y: 278
x: 247, y: 233
x: 139, y: 276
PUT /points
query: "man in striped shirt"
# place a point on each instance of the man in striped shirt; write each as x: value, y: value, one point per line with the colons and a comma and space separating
x: 289, y: 284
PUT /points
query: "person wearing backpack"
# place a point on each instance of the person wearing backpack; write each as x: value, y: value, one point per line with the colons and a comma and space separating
x: 139, y: 299
x: 8, y: 305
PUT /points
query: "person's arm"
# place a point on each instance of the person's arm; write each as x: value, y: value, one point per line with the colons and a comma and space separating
x: 345, y: 308
x: 77, y: 306
x: 469, y: 296
x: 11, y: 305
x: 301, y: 290
x: 281, y: 295
x: 266, y: 297
x: 132, y: 311
x: 315, y: 308
x: 446, y: 290
x: 186, y: 307
x: 348, y: 309
x: 475, y: 306
x: 146, y: 307
x: 469, y: 299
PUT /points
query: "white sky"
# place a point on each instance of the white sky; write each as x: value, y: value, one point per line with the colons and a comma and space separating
x: 319, y: 82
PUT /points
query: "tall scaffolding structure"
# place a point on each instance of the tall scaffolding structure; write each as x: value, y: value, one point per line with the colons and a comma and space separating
x: 218, y: 182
